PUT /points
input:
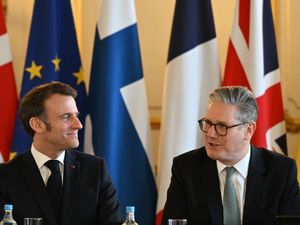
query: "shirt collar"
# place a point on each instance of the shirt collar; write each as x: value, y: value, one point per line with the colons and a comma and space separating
x: 241, y: 166
x: 41, y: 158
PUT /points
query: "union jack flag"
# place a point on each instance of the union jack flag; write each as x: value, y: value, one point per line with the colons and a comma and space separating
x: 252, y: 62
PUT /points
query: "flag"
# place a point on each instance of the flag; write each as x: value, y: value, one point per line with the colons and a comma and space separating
x: 118, y: 111
x: 192, y: 72
x: 8, y: 92
x: 298, y: 160
x: 52, y: 55
x: 252, y: 62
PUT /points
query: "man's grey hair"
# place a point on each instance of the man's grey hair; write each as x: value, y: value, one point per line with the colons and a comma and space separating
x: 239, y: 96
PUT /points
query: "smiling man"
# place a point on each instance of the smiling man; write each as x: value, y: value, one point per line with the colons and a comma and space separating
x: 51, y: 180
x: 229, y: 181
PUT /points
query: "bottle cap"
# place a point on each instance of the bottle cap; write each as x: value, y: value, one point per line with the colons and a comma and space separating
x: 130, y: 209
x: 8, y: 207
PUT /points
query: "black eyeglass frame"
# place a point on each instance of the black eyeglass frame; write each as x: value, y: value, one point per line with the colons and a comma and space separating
x: 215, y: 126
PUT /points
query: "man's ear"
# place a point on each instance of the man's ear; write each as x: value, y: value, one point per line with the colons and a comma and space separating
x: 250, y: 130
x: 37, y: 125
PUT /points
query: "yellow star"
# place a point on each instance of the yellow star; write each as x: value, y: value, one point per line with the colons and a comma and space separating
x: 56, y: 63
x: 79, y: 75
x: 12, y: 155
x: 34, y: 70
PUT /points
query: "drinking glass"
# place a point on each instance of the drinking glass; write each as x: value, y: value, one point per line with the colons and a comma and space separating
x: 177, y: 222
x: 33, y: 221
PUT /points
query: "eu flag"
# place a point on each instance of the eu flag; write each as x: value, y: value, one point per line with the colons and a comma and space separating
x: 118, y: 109
x: 52, y: 55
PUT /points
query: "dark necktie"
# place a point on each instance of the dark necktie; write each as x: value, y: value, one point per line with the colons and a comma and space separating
x: 230, y: 202
x: 54, y: 187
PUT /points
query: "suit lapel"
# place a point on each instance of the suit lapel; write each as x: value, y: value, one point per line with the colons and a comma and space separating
x: 71, y: 182
x: 35, y: 184
x: 254, y: 185
x: 212, y: 188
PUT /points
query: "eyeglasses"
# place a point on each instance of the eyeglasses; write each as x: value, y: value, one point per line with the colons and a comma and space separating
x: 220, y: 128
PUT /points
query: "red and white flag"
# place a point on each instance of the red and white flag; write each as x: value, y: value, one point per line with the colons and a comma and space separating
x: 8, y: 93
x: 252, y: 61
x: 192, y: 72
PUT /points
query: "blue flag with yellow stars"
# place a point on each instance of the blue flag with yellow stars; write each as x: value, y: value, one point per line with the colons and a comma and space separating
x: 52, y: 55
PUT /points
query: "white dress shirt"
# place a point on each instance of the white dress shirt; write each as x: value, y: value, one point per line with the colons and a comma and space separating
x: 41, y: 159
x: 239, y: 179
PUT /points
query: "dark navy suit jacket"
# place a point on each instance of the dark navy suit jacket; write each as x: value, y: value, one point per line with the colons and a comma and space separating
x: 194, y: 193
x: 89, y: 194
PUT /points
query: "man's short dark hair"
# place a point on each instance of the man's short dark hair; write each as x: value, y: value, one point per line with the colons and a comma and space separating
x: 33, y: 102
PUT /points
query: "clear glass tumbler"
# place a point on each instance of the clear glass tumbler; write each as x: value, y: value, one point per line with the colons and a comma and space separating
x: 33, y: 221
x: 177, y: 222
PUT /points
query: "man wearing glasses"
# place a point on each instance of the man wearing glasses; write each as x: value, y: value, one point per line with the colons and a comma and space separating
x: 229, y: 181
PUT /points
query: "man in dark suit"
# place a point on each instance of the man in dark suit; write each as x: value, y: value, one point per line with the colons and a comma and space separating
x: 85, y: 194
x: 262, y: 183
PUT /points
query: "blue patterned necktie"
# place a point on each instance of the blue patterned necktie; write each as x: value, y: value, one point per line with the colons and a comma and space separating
x: 231, y: 210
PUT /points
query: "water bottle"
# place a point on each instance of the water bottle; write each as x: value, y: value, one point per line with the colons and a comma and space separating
x: 130, y: 216
x: 8, y: 217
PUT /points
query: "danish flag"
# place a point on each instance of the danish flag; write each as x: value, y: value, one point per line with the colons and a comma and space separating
x: 252, y: 62
x: 8, y: 93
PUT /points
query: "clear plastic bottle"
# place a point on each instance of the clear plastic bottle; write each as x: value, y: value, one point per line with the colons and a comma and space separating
x: 130, y: 216
x: 8, y: 217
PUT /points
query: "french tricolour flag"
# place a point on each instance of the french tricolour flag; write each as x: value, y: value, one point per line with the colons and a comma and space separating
x: 252, y: 61
x: 118, y: 112
x: 192, y: 72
